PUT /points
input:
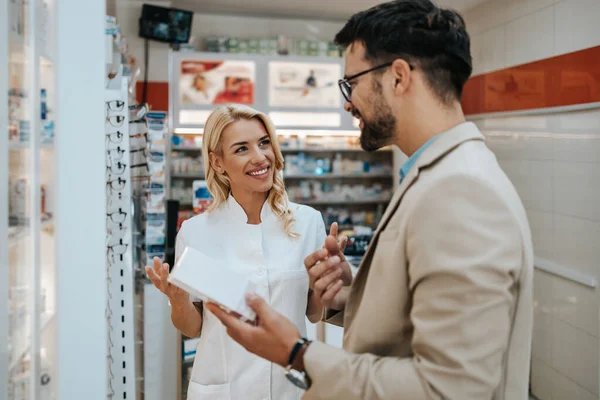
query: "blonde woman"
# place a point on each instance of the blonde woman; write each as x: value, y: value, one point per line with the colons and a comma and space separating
x: 252, y: 225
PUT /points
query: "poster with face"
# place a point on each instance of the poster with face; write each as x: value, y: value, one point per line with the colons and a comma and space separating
x: 294, y: 84
x: 216, y: 82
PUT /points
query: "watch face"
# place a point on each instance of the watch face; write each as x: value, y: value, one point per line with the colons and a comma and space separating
x: 297, y: 378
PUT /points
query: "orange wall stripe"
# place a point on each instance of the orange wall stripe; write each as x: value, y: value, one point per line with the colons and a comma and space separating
x: 564, y: 80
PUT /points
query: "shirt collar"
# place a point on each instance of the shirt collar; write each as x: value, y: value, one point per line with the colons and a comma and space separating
x: 408, y: 164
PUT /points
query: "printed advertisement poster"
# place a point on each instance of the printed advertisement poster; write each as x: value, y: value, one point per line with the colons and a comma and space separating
x: 217, y: 82
x: 304, y: 85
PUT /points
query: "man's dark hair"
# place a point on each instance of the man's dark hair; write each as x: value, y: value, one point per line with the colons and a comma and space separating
x: 426, y: 36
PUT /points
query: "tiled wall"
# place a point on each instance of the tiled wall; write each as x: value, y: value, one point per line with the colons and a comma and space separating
x: 554, y: 162
x: 505, y: 33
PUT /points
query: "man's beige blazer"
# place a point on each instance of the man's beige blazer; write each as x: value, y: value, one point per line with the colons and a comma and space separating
x: 441, y: 306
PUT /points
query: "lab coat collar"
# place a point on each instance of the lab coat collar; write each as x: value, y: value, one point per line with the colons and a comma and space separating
x: 237, y: 214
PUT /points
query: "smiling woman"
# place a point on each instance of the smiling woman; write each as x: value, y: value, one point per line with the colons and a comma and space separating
x: 242, y: 158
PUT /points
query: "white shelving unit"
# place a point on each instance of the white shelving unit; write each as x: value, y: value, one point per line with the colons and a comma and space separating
x: 41, y: 217
x: 27, y: 265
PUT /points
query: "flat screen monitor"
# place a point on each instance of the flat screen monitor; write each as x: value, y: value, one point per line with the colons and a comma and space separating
x: 163, y: 24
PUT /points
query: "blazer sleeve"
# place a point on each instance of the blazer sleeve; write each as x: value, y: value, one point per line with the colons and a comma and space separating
x: 465, y: 254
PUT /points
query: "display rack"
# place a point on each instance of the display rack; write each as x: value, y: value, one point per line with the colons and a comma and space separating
x: 27, y: 175
x: 120, y: 270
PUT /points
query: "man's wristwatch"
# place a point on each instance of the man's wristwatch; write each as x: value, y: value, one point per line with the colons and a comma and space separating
x: 293, y: 372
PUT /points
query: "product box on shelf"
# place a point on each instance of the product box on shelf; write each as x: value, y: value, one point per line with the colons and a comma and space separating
x: 202, y: 197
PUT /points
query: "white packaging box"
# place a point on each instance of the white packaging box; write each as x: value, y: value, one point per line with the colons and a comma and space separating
x: 213, y: 281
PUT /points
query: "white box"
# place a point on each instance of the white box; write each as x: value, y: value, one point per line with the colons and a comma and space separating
x: 212, y: 281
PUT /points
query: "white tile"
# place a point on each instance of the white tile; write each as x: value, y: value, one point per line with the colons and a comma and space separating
x: 586, y: 121
x: 573, y: 193
x: 542, y: 376
x: 477, y: 54
x: 579, y: 137
x: 530, y: 38
x: 490, y: 14
x: 520, y: 145
x: 577, y: 305
x: 542, y: 233
x: 576, y: 244
x: 575, y: 355
x: 520, y: 8
x: 537, y: 123
x: 577, y: 147
x: 542, y: 316
x: 533, y: 181
x: 492, y: 52
x: 563, y: 389
x: 577, y: 25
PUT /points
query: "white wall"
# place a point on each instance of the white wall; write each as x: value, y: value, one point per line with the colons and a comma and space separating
x: 204, y: 25
x: 554, y: 162
x: 506, y: 33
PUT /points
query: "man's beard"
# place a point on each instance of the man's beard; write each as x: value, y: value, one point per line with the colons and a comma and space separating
x: 379, y: 132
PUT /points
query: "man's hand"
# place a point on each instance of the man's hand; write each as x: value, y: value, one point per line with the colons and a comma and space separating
x: 329, y: 271
x: 273, y: 336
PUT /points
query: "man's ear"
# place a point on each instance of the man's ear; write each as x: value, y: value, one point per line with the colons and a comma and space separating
x: 402, y: 76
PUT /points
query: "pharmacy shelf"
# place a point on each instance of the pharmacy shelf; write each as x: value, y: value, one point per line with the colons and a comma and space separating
x: 187, y: 148
x: 342, y: 202
x: 25, y: 146
x: 295, y: 150
x: 340, y: 176
x: 17, y: 234
x: 179, y: 175
x: 328, y: 150
x: 344, y: 227
x: 24, y: 338
x: 301, y: 176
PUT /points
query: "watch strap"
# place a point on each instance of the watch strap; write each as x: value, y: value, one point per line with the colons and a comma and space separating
x: 295, y: 350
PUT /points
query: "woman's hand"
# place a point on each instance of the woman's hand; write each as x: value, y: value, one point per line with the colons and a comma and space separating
x: 158, y: 274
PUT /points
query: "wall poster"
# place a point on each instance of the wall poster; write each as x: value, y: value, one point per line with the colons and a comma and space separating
x: 294, y: 84
x: 217, y: 82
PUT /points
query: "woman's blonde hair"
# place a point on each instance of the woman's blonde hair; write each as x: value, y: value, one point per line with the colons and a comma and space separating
x: 219, y: 185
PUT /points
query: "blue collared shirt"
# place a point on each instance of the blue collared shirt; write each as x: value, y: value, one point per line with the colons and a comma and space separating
x: 408, y: 164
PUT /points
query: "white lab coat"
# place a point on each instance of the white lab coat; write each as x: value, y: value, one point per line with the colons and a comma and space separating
x: 223, y: 370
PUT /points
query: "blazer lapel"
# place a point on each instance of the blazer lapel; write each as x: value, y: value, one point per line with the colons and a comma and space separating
x: 444, y: 144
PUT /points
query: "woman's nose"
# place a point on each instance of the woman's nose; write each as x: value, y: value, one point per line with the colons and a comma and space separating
x: 258, y: 156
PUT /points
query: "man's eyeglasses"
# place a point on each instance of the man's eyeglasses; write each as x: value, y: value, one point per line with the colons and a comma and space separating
x: 346, y: 87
